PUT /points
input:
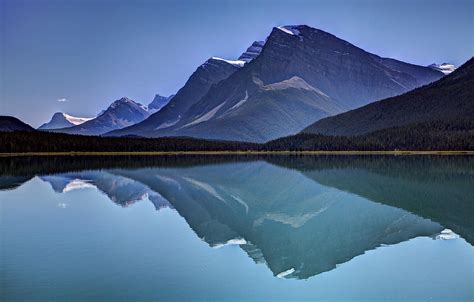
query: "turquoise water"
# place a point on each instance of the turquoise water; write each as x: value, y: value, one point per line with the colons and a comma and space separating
x: 237, y: 229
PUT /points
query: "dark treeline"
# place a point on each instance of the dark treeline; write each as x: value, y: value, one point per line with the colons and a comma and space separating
x: 18, y: 142
x: 37, y: 165
x: 430, y: 136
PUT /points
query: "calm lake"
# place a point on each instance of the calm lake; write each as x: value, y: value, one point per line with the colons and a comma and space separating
x: 226, y: 228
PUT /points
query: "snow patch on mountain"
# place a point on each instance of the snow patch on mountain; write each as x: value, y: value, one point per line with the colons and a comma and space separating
x: 61, y: 120
x: 76, y: 120
x: 236, y: 63
x: 205, y: 117
x: 286, y: 273
x: 293, y: 82
x: 291, y: 30
x: 241, y: 102
x: 445, y: 68
x: 447, y: 234
x: 237, y: 241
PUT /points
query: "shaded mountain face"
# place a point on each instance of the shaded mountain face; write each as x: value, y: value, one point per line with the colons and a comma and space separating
x: 206, y: 75
x: 286, y: 86
x: 11, y: 124
x: 158, y: 103
x: 450, y: 98
x: 62, y: 120
x: 121, y: 113
x: 280, y: 217
x: 436, y: 188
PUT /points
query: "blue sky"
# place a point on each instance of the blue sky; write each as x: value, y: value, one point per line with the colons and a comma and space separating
x: 93, y: 52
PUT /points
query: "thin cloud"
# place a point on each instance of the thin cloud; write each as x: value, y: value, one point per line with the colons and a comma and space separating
x: 63, y: 100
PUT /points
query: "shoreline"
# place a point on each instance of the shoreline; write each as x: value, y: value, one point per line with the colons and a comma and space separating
x: 207, y: 153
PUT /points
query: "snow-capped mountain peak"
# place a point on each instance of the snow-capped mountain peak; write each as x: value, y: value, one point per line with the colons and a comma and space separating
x: 445, y: 68
x: 62, y: 120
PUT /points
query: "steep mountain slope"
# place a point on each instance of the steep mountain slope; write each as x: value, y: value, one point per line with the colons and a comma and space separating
x: 211, y: 72
x: 62, y: 120
x: 273, y: 110
x: 121, y: 113
x: 450, y: 98
x: 242, y: 107
x: 10, y: 124
x: 158, y: 103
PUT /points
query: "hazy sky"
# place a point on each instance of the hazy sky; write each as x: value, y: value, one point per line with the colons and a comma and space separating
x: 89, y: 53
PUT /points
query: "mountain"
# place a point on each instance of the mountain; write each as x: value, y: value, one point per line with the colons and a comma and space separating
x: 376, y: 200
x: 247, y: 206
x: 211, y: 72
x: 121, y: 190
x: 158, y: 103
x: 121, y: 113
x: 449, y: 99
x: 300, y: 75
x: 10, y: 124
x: 445, y: 68
x: 63, y: 120
x: 252, y: 52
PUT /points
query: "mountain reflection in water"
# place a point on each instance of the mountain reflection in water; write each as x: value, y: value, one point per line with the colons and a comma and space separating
x: 301, y: 216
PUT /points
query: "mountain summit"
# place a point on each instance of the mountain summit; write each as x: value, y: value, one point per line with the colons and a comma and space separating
x: 158, y: 103
x: 300, y: 75
x: 121, y: 113
x: 62, y: 120
x: 445, y: 68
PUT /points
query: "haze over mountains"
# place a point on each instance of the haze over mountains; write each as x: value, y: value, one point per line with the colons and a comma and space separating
x: 300, y: 75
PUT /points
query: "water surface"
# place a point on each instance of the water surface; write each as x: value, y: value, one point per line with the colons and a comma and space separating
x: 228, y: 228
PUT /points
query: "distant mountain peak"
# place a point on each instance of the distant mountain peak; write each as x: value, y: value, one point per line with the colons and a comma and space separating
x: 126, y: 101
x: 121, y: 113
x: 445, y: 68
x: 122, y: 100
x: 63, y: 120
x: 159, y: 102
